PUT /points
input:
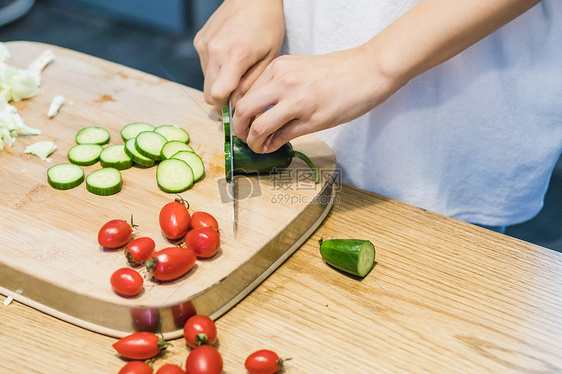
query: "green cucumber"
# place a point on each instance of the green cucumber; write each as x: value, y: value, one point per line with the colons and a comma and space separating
x: 65, y: 176
x: 149, y: 144
x: 133, y: 129
x: 172, y: 147
x: 132, y: 152
x: 104, y: 182
x: 92, y: 135
x: 353, y: 256
x: 173, y: 133
x: 174, y: 176
x: 114, y: 156
x: 194, y: 161
x: 84, y: 154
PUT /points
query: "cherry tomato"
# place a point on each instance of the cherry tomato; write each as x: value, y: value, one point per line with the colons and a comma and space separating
x: 198, y: 330
x: 139, y: 249
x: 136, y: 367
x: 204, y: 359
x: 115, y: 233
x: 140, y: 345
x: 263, y: 362
x: 175, y: 219
x: 170, y: 369
x: 205, y: 242
x: 126, y: 281
x: 203, y: 219
x: 170, y: 263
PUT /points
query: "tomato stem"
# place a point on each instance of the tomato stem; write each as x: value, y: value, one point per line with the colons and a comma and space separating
x: 183, y: 201
x: 201, y: 339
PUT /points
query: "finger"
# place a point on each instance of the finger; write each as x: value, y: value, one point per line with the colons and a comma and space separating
x: 291, y: 130
x: 210, y: 77
x: 225, y: 83
x: 268, y: 124
x: 247, y: 80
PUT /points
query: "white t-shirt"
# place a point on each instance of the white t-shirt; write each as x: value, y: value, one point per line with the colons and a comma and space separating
x: 475, y: 138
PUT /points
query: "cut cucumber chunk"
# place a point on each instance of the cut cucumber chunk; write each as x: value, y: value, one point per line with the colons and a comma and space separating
x: 92, y: 135
x: 84, y: 154
x: 132, y: 152
x: 104, y: 182
x: 354, y: 256
x: 173, y: 133
x: 65, y: 176
x: 114, y: 156
x: 149, y: 144
x: 133, y: 129
x: 174, y: 176
x: 173, y: 147
x: 194, y: 162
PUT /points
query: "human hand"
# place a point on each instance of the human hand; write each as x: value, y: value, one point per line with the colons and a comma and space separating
x: 236, y: 44
x: 298, y: 95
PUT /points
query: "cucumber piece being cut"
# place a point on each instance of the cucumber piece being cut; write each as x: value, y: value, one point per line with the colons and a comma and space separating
x: 114, y: 156
x: 173, y: 147
x: 173, y: 133
x: 149, y: 144
x: 65, y: 176
x: 353, y: 256
x: 84, y: 154
x: 104, y: 182
x: 92, y: 135
x: 133, y: 129
x: 132, y: 152
x: 174, y: 176
x: 193, y: 160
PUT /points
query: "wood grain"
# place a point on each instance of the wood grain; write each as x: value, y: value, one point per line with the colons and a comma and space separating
x: 51, y: 252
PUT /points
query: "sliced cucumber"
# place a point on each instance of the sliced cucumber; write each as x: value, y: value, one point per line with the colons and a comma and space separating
x: 149, y: 144
x: 172, y: 147
x: 114, y: 156
x: 354, y: 256
x: 84, y: 154
x: 92, y: 135
x: 173, y: 133
x: 65, y: 176
x: 132, y: 152
x: 194, y: 162
x: 174, y: 176
x: 104, y: 182
x: 133, y: 129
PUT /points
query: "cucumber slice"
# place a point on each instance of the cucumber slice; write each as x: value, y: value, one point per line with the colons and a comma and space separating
x: 173, y: 133
x: 133, y: 129
x: 104, y: 182
x: 84, y: 154
x: 193, y: 160
x: 174, y: 176
x: 131, y: 151
x: 65, y: 176
x: 92, y: 135
x: 149, y: 144
x: 354, y: 256
x: 114, y: 156
x: 173, y: 147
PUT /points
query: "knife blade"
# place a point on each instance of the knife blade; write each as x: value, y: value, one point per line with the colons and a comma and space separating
x: 229, y: 162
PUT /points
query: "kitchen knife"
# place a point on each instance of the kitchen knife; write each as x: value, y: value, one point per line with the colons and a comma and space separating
x: 229, y: 162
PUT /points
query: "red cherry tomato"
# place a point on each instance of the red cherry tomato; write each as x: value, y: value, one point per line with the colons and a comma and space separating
x: 140, y: 345
x: 203, y: 219
x: 205, y: 242
x: 198, y: 330
x: 204, y: 359
x: 136, y: 367
x: 139, y: 249
x: 263, y: 362
x: 170, y: 369
x: 115, y: 234
x: 126, y: 281
x: 170, y: 263
x: 175, y: 219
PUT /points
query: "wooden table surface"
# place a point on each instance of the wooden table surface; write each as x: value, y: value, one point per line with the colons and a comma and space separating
x: 443, y: 297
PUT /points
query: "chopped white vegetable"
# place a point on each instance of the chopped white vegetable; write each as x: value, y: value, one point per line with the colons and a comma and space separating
x: 4, y: 53
x: 8, y: 300
x: 41, y: 149
x: 36, y: 66
x: 55, y: 106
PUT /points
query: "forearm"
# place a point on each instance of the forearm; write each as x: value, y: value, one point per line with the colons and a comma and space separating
x: 434, y: 31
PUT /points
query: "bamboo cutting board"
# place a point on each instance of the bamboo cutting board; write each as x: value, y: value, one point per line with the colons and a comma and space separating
x: 50, y: 258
